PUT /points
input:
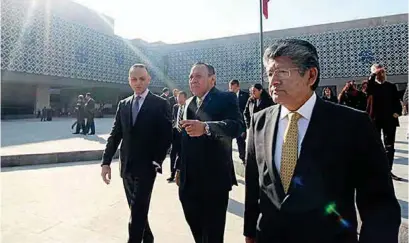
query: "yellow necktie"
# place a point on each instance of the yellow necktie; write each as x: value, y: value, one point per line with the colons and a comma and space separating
x: 198, y: 102
x: 289, y: 152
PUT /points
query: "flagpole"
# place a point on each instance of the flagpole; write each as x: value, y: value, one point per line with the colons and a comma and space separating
x: 261, y: 41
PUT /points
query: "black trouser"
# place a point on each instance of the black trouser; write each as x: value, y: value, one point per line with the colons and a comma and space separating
x: 241, y: 145
x: 138, y: 194
x: 206, y: 215
x: 176, y: 140
x: 389, y: 133
x: 90, y: 125
x: 80, y: 126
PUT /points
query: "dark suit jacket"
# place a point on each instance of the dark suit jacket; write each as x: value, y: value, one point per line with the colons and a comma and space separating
x: 172, y: 101
x: 90, y: 108
x: 329, y: 171
x: 175, y: 110
x: 251, y: 107
x: 206, y: 161
x: 243, y: 98
x: 144, y: 142
x: 383, y: 101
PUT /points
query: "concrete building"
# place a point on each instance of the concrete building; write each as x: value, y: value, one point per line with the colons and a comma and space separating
x: 51, y: 51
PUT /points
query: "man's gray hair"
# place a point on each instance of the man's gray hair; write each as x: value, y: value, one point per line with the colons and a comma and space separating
x: 302, y: 53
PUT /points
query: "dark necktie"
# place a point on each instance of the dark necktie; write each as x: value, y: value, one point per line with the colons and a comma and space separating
x: 135, y: 108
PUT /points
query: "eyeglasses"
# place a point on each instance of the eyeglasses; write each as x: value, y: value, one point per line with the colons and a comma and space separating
x: 281, y: 73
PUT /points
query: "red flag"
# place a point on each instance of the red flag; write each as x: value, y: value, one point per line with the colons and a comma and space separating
x: 265, y: 8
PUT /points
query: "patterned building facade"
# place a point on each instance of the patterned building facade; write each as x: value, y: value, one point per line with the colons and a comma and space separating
x: 41, y: 43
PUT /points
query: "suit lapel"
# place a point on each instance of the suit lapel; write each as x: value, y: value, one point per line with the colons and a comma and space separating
x: 270, y: 136
x: 128, y: 113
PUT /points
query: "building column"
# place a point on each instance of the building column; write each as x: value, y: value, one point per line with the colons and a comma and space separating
x: 42, y: 97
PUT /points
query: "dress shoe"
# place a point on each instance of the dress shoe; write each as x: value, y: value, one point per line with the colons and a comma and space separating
x: 396, y: 178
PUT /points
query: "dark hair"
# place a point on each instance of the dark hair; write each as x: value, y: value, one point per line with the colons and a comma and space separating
x: 234, y: 82
x: 165, y: 90
x: 183, y: 93
x: 258, y: 86
x: 138, y: 65
x: 325, y: 88
x: 302, y: 53
x: 210, y: 68
x: 88, y: 94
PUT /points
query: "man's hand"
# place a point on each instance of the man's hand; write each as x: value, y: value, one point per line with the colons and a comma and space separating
x: 375, y: 70
x: 106, y: 174
x: 250, y: 240
x: 177, y: 177
x: 395, y: 115
x: 194, y: 128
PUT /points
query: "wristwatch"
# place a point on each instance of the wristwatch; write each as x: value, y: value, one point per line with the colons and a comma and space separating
x: 207, y: 129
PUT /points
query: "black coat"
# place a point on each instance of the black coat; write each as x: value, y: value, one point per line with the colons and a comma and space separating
x: 331, y: 173
x: 206, y: 162
x: 251, y: 107
x: 146, y: 141
x: 383, y: 102
x: 90, y: 108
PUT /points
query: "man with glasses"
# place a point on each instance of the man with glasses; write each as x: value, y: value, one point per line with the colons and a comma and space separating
x: 300, y: 185
x: 384, y: 108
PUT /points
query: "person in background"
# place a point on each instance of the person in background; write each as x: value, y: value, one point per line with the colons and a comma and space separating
x: 350, y: 96
x: 242, y: 98
x: 174, y: 99
x: 90, y: 114
x: 384, y: 108
x: 165, y: 93
x: 80, y: 112
x: 44, y: 114
x: 328, y: 95
x: 405, y: 102
x: 259, y: 100
x: 178, y: 110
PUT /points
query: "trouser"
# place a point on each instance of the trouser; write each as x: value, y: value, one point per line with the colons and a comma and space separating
x: 80, y: 126
x: 176, y: 145
x: 90, y: 125
x: 205, y: 215
x: 138, y: 192
x: 389, y: 133
x: 241, y: 145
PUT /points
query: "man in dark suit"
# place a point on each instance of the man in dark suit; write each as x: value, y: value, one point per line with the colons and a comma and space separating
x: 301, y: 185
x: 144, y: 125
x: 178, y: 110
x: 242, y: 98
x: 174, y: 100
x: 211, y: 120
x: 384, y: 107
x: 90, y: 114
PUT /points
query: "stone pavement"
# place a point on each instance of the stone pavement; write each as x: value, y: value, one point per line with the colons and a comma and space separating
x: 68, y: 203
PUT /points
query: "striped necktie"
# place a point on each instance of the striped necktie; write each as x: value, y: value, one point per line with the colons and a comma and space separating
x: 180, y: 117
x: 289, y: 152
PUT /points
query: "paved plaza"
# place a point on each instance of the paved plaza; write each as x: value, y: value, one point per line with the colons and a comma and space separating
x: 69, y: 203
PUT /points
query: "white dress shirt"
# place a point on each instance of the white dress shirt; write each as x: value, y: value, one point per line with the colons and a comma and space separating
x: 305, y: 111
x: 142, y: 99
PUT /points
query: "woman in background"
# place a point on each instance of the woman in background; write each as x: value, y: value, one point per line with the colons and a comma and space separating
x: 259, y: 100
x: 328, y: 95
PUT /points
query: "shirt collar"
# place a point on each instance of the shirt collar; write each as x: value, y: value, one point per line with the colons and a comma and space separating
x: 143, y: 95
x: 305, y: 110
x: 203, y: 97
